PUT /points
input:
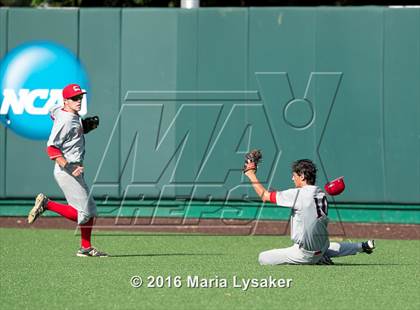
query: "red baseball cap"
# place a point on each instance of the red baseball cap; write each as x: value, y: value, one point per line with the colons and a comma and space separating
x: 335, y: 187
x: 72, y: 90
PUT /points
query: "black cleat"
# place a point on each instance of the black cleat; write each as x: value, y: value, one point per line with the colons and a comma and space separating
x: 38, y: 209
x: 325, y: 260
x: 368, y: 246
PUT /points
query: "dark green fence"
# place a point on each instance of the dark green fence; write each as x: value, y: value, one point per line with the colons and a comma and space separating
x: 183, y: 93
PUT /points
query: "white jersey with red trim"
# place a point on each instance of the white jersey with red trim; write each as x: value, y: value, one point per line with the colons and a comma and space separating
x: 309, y: 220
x: 67, y: 135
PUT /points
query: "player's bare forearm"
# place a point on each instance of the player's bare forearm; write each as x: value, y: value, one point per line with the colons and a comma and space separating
x: 74, y: 170
x: 61, y: 161
x: 258, y: 187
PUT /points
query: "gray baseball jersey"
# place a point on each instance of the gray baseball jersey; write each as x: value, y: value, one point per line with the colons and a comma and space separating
x: 309, y: 221
x: 67, y: 135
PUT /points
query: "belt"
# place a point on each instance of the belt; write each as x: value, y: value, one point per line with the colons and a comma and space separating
x: 315, y: 252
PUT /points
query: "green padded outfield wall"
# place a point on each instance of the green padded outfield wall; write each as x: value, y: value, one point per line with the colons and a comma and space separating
x: 182, y: 94
x: 26, y: 164
x: 3, y: 50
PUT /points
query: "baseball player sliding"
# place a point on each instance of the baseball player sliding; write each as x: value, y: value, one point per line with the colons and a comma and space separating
x: 309, y: 220
x: 66, y: 146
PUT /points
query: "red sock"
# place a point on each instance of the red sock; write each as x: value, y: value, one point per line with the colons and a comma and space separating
x: 65, y: 210
x: 86, y: 231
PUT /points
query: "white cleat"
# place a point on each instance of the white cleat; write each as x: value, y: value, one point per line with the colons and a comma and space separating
x: 38, y: 209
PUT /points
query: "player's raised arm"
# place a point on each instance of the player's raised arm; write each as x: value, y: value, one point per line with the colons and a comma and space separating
x: 258, y: 187
x: 250, y: 168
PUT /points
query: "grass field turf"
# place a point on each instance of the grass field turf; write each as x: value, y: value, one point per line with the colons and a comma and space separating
x: 39, y: 270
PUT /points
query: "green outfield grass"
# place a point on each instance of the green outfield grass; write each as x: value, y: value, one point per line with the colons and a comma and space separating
x: 39, y: 270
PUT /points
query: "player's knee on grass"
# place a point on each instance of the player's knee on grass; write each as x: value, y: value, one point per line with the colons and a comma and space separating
x: 266, y: 258
x: 262, y: 259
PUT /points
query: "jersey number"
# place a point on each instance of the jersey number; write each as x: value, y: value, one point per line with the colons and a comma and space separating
x: 321, y: 206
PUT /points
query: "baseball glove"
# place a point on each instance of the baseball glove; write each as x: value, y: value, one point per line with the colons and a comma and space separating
x: 252, y: 159
x: 90, y: 123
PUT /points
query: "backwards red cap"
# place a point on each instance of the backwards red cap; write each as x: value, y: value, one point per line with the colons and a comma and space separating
x: 335, y: 187
x: 72, y: 90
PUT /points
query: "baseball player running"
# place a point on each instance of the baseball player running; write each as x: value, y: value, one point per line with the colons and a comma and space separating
x: 309, y: 219
x: 66, y: 146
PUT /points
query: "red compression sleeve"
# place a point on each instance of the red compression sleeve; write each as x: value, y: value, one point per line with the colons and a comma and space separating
x: 54, y: 152
x: 65, y: 210
x: 273, y: 197
x: 86, y: 232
